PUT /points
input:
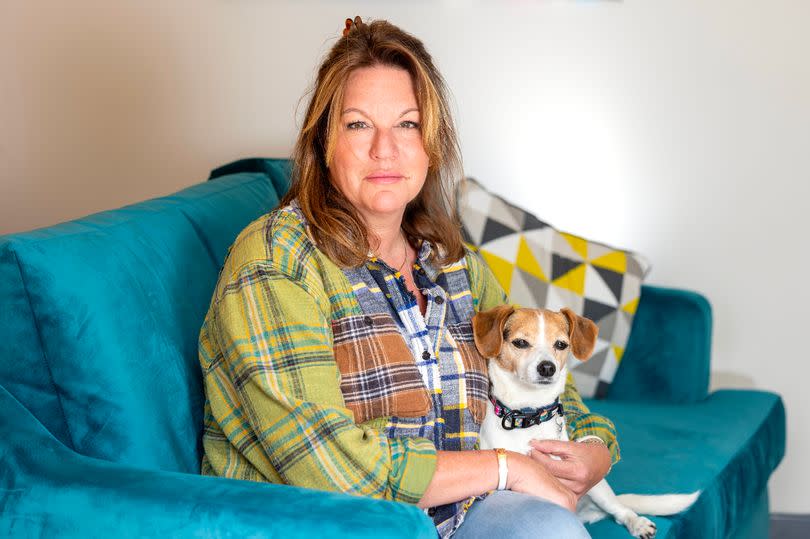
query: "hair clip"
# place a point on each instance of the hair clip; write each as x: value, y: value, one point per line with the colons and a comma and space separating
x: 356, y: 23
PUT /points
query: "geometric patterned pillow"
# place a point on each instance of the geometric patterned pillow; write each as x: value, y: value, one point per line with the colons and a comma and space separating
x: 541, y: 267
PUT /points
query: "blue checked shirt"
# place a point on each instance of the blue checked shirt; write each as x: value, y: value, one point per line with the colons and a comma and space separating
x: 442, y: 347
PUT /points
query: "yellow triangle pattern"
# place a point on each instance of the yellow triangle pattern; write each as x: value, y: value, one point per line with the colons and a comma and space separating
x: 616, y: 261
x: 580, y: 245
x: 527, y: 262
x: 502, y: 269
x: 631, y: 307
x: 618, y: 352
x: 574, y: 280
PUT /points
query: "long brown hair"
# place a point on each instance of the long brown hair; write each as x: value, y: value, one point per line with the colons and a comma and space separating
x: 337, y: 227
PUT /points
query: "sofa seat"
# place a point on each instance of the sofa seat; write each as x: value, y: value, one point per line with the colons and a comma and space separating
x: 726, y: 445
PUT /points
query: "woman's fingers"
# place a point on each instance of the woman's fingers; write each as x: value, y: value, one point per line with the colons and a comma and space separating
x: 570, y: 471
x: 561, y: 469
x: 555, y: 447
x: 531, y: 477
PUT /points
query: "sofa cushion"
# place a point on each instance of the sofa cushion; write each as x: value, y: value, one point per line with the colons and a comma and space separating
x: 539, y: 266
x: 115, y: 301
x: 278, y: 170
x: 23, y: 370
x: 220, y: 209
x: 726, y: 446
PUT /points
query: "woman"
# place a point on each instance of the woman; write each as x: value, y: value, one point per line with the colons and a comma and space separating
x: 337, y: 352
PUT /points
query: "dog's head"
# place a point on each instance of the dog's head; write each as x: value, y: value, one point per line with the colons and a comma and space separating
x: 533, y: 344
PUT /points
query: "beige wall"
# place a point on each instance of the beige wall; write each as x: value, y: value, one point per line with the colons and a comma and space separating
x: 678, y: 128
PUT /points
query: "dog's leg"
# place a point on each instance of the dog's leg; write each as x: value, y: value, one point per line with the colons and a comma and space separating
x: 588, y: 512
x: 604, y: 497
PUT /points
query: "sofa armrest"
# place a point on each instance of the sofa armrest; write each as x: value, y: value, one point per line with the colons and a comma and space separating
x: 668, y: 353
x: 47, y: 490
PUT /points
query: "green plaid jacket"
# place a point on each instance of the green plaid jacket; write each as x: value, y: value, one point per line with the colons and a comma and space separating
x: 279, y: 351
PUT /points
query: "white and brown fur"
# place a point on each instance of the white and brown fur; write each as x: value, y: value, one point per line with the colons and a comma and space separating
x: 516, y: 342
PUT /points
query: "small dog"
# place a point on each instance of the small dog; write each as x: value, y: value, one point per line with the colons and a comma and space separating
x: 527, y: 351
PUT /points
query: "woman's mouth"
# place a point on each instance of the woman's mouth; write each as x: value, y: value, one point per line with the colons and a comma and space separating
x: 384, y: 177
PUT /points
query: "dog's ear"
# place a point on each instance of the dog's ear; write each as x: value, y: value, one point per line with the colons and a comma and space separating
x: 582, y: 333
x: 488, y: 329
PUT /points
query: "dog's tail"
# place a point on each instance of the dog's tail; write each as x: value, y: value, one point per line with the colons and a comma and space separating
x: 660, y: 504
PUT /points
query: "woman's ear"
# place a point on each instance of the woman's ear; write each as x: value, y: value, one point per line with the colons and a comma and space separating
x: 582, y: 333
x: 488, y: 329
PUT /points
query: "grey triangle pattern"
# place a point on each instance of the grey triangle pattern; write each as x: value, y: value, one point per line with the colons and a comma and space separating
x: 631, y: 287
x: 519, y: 293
x: 505, y: 246
x: 596, y: 311
x: 612, y: 279
x: 475, y: 197
x: 494, y: 229
x: 501, y: 212
x: 541, y: 252
x: 561, y: 247
x: 474, y: 222
x: 586, y: 383
x: 558, y: 298
x: 540, y: 239
x: 573, y: 362
x: 609, y: 368
x: 596, y: 250
x: 607, y: 326
x: 622, y: 331
x: 530, y: 222
x: 594, y: 365
x: 635, y: 267
x: 561, y: 265
x: 601, y: 344
x: 597, y: 288
x: 531, y: 288
x: 518, y: 214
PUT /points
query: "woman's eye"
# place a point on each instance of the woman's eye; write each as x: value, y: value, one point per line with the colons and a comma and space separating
x: 356, y: 125
x: 560, y: 345
x: 520, y: 343
x: 409, y: 125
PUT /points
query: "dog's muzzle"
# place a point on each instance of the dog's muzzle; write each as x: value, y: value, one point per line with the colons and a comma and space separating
x: 546, y: 369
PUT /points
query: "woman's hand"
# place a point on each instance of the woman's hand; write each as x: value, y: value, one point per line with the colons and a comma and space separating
x: 581, y: 465
x: 526, y: 475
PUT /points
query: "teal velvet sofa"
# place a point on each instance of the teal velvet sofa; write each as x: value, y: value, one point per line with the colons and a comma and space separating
x: 101, y: 398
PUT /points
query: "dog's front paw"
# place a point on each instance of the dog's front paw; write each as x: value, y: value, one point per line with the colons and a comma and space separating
x: 642, y: 527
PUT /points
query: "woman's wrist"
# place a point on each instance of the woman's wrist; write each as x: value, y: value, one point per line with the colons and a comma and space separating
x: 591, y: 439
x: 517, y: 466
x: 503, y: 468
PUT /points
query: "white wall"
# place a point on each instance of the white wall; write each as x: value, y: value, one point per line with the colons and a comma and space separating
x: 677, y: 128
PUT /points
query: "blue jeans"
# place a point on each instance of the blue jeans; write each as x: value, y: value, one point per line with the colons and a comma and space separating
x: 506, y: 515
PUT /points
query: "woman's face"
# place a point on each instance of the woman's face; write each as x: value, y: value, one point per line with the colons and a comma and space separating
x: 379, y: 163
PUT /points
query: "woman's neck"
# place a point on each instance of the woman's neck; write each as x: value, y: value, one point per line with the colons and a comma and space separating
x: 385, y: 237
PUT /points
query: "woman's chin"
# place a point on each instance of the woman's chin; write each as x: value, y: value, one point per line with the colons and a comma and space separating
x: 387, y: 204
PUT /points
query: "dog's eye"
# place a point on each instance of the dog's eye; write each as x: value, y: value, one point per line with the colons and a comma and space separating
x: 520, y: 343
x: 560, y: 345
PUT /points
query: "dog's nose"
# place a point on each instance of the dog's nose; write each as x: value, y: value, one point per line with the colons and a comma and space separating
x: 546, y: 369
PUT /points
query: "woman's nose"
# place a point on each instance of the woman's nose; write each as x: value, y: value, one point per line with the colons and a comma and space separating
x: 384, y: 146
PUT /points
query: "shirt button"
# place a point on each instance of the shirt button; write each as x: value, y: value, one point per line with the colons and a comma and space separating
x: 368, y: 321
x: 432, y: 512
x: 439, y: 300
x: 425, y: 355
